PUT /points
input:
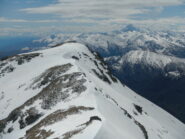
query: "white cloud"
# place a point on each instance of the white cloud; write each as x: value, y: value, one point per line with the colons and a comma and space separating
x: 104, y: 26
x: 101, y: 8
x: 2, y: 19
x: 102, y: 15
x: 165, y: 21
x: 18, y: 31
x: 106, y: 12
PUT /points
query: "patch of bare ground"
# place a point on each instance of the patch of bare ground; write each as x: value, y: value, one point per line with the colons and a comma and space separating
x: 21, y: 58
x: 36, y: 132
x: 7, y: 67
x: 70, y: 134
x: 50, y: 75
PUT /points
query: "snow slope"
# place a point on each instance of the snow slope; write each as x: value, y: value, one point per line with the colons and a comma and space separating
x: 169, y: 65
x: 150, y: 58
x: 68, y: 92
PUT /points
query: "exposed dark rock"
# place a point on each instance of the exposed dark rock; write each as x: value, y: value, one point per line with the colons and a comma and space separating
x: 126, y: 113
x: 95, y: 118
x: 22, y: 124
x: 7, y: 69
x: 92, y: 118
x: 138, y: 108
x: 26, y: 118
x: 74, y: 57
x: 2, y: 125
x: 102, y: 76
x: 33, y: 115
x: 95, y: 62
x: 107, y: 96
x: 142, y: 129
x: 85, y: 54
x: 13, y: 116
x: 2, y: 64
x: 112, y: 76
x: 10, y: 129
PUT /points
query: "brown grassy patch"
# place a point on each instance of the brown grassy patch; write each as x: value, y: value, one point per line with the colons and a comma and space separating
x: 38, y: 133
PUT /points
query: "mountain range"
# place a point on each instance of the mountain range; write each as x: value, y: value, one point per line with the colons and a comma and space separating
x: 149, y: 62
x: 68, y: 91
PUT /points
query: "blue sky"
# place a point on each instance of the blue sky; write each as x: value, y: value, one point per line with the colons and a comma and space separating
x: 40, y: 17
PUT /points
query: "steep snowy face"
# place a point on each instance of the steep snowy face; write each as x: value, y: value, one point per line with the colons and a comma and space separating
x: 68, y: 92
x: 149, y: 58
x: 157, y: 77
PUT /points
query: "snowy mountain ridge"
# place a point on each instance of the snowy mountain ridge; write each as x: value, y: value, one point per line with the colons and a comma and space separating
x: 150, y: 58
x: 129, y: 38
x: 68, y: 92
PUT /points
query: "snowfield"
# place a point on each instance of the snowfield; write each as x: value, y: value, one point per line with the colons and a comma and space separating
x: 68, y: 92
x: 148, y: 58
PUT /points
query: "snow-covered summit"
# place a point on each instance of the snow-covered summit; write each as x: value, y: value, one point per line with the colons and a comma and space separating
x: 68, y: 92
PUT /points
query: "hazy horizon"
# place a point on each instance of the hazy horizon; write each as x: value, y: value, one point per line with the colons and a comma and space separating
x: 42, y: 17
